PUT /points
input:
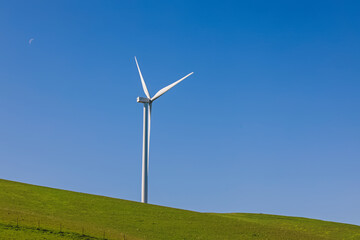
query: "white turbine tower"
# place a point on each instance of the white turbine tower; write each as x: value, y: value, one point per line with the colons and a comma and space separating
x: 146, y: 130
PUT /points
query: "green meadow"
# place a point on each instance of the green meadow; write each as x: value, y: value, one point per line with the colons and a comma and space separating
x: 35, y: 212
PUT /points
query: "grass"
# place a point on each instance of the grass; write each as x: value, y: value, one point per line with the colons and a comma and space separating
x: 34, y: 212
x: 24, y: 232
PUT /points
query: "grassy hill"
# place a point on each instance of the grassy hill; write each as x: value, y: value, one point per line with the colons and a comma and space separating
x: 34, y: 212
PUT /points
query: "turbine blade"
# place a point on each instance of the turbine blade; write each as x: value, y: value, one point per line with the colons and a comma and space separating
x: 167, y: 88
x: 142, y: 80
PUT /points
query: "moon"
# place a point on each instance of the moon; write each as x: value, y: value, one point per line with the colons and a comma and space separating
x: 30, y: 40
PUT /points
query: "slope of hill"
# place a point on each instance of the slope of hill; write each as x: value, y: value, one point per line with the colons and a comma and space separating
x: 34, y: 212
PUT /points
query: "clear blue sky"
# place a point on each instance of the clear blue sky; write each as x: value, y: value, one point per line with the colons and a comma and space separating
x: 269, y: 122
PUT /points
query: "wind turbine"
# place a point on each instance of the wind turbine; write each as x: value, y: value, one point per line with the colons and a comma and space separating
x: 146, y: 129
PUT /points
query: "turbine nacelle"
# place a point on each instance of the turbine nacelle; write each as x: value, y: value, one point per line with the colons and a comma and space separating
x: 143, y: 100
